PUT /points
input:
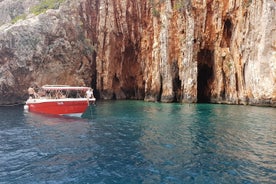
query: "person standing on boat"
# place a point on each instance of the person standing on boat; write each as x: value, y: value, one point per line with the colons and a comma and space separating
x: 32, y: 93
x: 89, y: 94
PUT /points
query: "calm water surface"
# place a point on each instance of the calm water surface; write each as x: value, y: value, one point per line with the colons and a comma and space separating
x: 139, y: 142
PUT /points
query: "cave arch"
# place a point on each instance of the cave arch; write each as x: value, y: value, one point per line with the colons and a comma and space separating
x: 227, y: 34
x: 205, y: 65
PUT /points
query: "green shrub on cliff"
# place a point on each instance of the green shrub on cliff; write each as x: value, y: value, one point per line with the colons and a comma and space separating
x: 19, y: 17
x: 44, y: 5
x: 182, y: 5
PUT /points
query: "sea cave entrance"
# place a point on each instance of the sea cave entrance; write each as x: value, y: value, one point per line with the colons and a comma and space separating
x: 205, y: 59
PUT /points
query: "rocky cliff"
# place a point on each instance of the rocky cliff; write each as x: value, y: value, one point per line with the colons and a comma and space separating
x: 47, y: 47
x: 155, y: 50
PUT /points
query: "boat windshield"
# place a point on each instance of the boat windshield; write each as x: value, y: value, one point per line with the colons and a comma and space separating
x: 61, y: 91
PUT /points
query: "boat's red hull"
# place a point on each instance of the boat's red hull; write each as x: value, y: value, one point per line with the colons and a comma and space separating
x: 58, y: 107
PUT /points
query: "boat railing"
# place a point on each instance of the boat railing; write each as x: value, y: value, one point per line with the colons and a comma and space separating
x: 60, y: 93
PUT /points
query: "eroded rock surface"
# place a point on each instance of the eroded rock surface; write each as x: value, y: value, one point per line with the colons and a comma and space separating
x: 188, y: 51
x: 50, y: 48
x: 172, y: 50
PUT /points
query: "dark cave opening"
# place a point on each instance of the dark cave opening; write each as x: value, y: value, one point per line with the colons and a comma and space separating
x: 176, y: 81
x: 227, y: 34
x: 161, y: 89
x: 205, y: 74
x: 177, y: 89
x: 115, y: 86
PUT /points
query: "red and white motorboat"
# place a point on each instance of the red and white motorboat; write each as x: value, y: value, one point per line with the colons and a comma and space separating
x: 60, y: 100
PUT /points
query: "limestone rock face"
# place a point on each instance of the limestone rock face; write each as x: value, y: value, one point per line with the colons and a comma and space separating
x: 170, y: 50
x: 50, y: 48
x: 10, y: 9
x: 187, y: 51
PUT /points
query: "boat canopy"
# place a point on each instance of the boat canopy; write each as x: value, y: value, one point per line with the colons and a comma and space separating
x: 64, y: 87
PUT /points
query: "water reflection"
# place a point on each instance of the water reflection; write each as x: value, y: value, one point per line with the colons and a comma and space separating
x: 138, y: 142
x: 59, y: 144
x: 211, y: 143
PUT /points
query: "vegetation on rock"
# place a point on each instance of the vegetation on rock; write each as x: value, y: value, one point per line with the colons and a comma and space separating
x: 40, y: 8
x: 44, y: 5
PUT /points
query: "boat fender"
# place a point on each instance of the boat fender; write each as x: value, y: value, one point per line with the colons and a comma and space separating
x: 26, y: 107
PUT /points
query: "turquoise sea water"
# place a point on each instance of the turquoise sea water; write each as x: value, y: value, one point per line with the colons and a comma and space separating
x: 140, y: 142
